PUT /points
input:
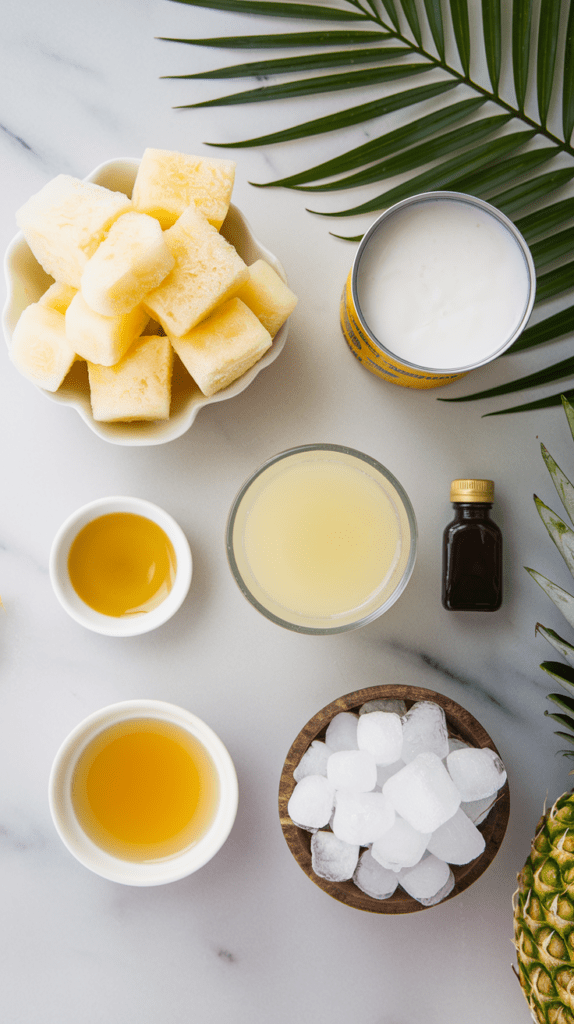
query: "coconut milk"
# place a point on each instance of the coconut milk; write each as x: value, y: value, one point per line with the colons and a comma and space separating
x: 441, y: 284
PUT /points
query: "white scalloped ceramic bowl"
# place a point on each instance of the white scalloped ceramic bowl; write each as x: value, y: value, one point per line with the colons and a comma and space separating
x: 26, y: 281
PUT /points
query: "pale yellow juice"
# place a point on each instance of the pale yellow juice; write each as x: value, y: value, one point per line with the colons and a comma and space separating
x: 321, y: 538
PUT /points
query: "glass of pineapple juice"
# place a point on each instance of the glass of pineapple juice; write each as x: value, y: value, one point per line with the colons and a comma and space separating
x: 321, y: 539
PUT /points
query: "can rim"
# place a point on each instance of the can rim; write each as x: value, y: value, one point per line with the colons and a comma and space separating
x: 505, y: 221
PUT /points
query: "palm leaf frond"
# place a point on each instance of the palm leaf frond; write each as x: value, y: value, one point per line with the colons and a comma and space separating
x: 370, y: 43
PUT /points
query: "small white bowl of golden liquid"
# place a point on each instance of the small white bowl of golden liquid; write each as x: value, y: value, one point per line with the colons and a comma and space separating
x: 120, y: 566
x: 143, y: 792
x: 322, y: 539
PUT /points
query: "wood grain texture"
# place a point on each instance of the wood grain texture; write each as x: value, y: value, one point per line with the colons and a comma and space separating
x: 461, y: 724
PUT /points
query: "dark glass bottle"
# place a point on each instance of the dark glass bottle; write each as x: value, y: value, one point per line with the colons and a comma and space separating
x: 472, y: 550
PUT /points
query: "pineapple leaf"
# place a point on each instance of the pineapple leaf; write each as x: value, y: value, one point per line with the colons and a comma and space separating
x: 562, y: 719
x: 569, y: 410
x: 565, y: 736
x: 558, y: 643
x: 564, y: 702
x: 439, y: 41
x: 559, y: 532
x: 561, y: 482
x: 561, y: 598
x: 563, y: 675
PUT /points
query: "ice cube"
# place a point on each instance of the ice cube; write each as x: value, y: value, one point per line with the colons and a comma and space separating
x: 384, y: 771
x: 373, y: 879
x: 381, y: 733
x: 313, y: 762
x: 476, y: 772
x: 311, y: 802
x: 387, y: 704
x: 401, y: 847
x: 425, y: 879
x: 361, y: 817
x: 423, y: 792
x: 331, y: 858
x: 455, y: 744
x: 424, y: 728
x: 354, y: 770
x: 458, y: 841
x: 341, y: 732
x: 431, y: 901
x: 478, y: 810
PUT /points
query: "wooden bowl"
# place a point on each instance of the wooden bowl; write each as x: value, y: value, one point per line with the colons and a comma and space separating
x: 461, y: 725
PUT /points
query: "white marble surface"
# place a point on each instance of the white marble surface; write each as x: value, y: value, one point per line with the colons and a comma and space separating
x: 249, y: 938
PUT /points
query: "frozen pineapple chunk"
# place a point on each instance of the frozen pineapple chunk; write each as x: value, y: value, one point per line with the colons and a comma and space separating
x: 223, y: 346
x: 102, y: 339
x: 136, y: 388
x: 58, y: 296
x: 40, y: 348
x: 167, y: 183
x: 207, y: 271
x: 65, y: 222
x: 130, y: 262
x: 267, y: 296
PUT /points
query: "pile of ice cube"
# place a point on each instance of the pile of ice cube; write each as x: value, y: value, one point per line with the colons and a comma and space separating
x: 393, y: 782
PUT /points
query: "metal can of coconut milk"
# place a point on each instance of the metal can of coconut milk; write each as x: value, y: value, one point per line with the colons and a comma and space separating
x: 441, y: 284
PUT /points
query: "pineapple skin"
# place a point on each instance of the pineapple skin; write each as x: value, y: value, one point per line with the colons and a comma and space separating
x: 544, y: 917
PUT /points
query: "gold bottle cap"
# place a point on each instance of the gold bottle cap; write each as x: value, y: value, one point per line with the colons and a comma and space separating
x: 472, y: 490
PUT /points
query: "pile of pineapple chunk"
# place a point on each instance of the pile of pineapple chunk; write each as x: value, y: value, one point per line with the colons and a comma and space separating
x: 137, y: 280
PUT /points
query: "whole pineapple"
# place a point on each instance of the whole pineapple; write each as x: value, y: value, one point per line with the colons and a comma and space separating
x: 544, y: 901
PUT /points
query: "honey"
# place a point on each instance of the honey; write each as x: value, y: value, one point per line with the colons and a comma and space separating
x: 122, y: 564
x: 145, y: 789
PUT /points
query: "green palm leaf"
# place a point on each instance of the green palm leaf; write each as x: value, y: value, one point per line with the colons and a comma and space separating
x: 415, y: 156
x: 308, y: 62
x: 504, y: 168
x: 492, y: 29
x: 284, y: 40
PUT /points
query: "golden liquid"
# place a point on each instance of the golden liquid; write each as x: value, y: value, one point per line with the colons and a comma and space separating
x: 122, y: 564
x: 145, y: 789
x: 322, y: 538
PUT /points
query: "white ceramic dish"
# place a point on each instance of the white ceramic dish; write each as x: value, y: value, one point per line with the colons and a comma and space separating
x: 151, y: 872
x: 127, y: 625
x: 26, y: 281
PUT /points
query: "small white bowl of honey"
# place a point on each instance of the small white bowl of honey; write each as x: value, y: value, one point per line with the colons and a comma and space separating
x: 143, y: 792
x: 120, y: 566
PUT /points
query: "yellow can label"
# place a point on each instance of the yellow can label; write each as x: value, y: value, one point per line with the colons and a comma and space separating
x: 376, y: 359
